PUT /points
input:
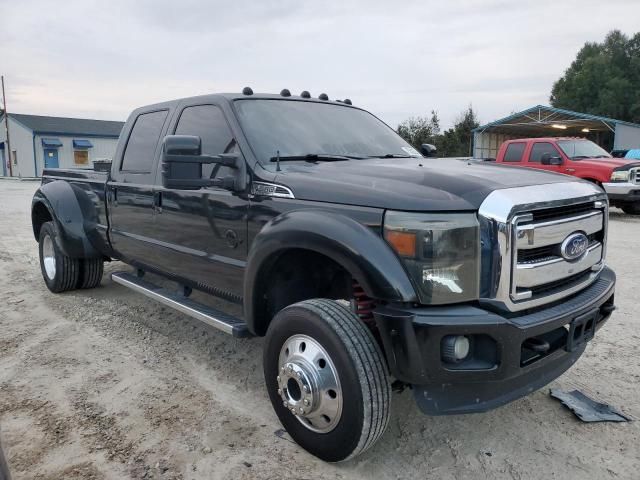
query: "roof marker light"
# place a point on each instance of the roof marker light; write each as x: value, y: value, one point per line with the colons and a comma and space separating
x: 285, y: 92
x: 305, y: 94
x: 585, y: 130
x: 323, y: 96
x: 347, y: 101
x: 558, y: 126
x: 247, y: 91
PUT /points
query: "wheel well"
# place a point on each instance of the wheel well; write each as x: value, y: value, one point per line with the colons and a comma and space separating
x: 39, y: 215
x: 593, y: 180
x: 297, y: 275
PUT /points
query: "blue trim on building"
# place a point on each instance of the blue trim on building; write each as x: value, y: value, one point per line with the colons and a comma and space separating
x: 51, y: 142
x: 82, y: 143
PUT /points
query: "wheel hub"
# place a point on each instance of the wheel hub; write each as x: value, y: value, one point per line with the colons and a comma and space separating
x: 48, y: 257
x: 308, y: 384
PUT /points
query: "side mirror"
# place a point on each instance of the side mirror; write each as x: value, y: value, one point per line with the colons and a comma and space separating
x: 547, y: 159
x: 428, y: 150
x: 182, y: 162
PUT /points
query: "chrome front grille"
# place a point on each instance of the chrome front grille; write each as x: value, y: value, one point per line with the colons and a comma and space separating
x: 546, y: 237
x: 526, y: 228
x: 634, y: 175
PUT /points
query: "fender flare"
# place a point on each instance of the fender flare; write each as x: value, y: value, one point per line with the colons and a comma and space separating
x: 74, y: 215
x: 355, y: 247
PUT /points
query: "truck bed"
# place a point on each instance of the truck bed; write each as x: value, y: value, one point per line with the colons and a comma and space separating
x: 70, y: 174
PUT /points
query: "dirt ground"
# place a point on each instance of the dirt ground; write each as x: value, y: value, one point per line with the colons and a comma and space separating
x: 106, y: 384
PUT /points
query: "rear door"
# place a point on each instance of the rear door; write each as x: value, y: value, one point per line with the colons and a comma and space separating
x: 203, y: 233
x: 131, y: 189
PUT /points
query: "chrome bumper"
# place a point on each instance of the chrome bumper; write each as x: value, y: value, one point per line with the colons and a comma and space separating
x: 620, y: 188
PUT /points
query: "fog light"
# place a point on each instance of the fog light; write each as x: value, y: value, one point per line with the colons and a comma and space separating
x: 455, y: 348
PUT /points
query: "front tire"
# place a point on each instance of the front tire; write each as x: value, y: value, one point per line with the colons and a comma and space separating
x: 60, y: 272
x: 326, y: 379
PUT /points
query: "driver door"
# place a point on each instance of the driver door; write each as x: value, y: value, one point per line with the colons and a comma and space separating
x: 203, y: 233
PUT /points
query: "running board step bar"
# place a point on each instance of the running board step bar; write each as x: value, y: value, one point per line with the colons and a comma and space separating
x: 209, y: 315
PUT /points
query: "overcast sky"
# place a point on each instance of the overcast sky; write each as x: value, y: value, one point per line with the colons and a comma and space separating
x: 395, y: 58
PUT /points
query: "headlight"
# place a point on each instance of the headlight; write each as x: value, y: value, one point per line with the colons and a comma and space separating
x: 440, y: 251
x: 620, y: 176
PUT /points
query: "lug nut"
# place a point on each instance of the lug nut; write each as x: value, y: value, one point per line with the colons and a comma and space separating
x: 306, y: 402
x: 278, y: 378
x: 301, y: 410
x: 284, y: 404
x: 298, y: 374
x: 282, y: 370
x: 305, y: 388
x: 279, y: 392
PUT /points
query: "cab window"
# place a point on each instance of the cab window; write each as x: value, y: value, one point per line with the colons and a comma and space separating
x: 540, y: 148
x: 514, y: 152
x: 208, y: 123
x: 141, y: 146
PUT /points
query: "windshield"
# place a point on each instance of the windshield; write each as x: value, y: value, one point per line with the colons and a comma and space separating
x: 299, y: 129
x: 577, y: 149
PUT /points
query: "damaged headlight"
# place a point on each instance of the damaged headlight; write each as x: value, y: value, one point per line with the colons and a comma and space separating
x: 440, y: 251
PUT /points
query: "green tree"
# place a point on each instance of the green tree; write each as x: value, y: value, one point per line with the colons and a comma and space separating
x: 419, y: 130
x: 456, y: 141
x: 604, y: 79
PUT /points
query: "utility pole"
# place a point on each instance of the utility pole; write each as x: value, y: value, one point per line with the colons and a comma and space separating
x: 6, y: 126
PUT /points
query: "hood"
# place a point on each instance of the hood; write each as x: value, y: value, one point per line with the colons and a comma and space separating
x: 613, y: 163
x: 417, y: 184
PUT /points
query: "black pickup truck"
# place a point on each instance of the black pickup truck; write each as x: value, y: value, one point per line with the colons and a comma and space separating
x: 365, y: 266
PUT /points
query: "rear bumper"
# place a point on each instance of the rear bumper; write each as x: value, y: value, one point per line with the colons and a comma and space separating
x: 622, y: 191
x: 501, y: 366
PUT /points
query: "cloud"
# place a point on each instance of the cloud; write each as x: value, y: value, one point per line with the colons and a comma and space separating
x: 102, y: 59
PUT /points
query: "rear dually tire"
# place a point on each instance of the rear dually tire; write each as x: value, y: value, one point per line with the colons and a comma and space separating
x: 60, y: 272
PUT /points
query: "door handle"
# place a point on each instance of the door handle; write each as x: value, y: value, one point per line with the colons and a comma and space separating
x: 114, y: 195
x: 157, y: 202
x: 571, y: 170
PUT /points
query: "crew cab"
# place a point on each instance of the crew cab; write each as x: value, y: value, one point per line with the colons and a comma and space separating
x: 362, y: 264
x: 583, y: 159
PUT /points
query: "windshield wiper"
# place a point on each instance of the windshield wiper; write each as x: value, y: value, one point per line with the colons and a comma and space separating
x: 391, y: 155
x: 315, y: 157
x: 578, y: 157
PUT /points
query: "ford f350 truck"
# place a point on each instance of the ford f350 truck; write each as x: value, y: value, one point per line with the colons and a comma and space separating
x: 363, y: 264
x: 620, y: 177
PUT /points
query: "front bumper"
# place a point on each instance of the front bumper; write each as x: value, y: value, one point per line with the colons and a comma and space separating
x: 505, y: 362
x: 622, y: 191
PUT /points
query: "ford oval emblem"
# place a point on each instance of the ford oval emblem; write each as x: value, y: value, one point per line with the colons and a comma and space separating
x: 574, y: 246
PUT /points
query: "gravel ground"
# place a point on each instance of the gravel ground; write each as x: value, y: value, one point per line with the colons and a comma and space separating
x: 106, y: 384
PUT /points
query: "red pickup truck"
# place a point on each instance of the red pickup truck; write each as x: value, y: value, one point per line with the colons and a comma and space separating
x: 581, y: 158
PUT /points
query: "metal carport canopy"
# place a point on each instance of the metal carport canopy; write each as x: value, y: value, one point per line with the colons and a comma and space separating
x: 545, y: 121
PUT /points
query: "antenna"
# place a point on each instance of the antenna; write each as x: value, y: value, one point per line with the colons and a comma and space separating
x: 278, y: 169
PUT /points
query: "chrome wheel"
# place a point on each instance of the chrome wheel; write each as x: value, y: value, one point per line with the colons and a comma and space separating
x: 49, y: 257
x: 308, y: 384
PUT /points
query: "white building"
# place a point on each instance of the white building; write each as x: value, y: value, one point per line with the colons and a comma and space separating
x: 39, y: 142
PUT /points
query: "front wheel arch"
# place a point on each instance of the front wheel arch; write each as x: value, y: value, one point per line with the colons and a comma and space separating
x: 352, y: 246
